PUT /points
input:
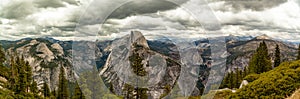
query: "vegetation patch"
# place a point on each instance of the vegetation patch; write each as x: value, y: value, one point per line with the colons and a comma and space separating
x: 277, y: 83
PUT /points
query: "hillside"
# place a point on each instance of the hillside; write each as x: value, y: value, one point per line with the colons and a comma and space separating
x: 45, y: 55
x: 277, y: 83
x: 242, y: 51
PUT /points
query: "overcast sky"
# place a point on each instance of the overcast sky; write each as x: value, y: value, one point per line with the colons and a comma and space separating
x: 278, y: 19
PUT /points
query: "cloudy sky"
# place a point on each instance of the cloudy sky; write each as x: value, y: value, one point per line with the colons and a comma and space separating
x: 104, y: 19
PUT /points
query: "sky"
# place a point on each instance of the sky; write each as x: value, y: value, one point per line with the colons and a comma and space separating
x: 109, y: 19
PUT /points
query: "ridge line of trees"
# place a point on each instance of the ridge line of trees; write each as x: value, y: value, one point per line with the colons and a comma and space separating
x: 260, y: 62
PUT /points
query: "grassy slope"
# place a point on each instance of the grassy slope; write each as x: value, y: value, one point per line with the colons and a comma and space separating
x: 277, y: 83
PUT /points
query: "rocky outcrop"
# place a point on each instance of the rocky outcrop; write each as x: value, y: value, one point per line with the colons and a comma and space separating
x: 58, y: 49
x: 44, y: 52
x: 155, y: 72
x: 244, y: 83
x: 2, y: 81
x: 295, y: 95
x: 45, y: 59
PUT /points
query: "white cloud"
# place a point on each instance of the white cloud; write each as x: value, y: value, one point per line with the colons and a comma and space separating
x: 52, y: 16
x: 281, y: 22
x: 176, y: 22
x: 17, y: 22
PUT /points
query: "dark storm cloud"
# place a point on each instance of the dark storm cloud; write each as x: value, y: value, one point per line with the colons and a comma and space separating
x: 53, y: 3
x: 96, y: 13
x: 70, y: 27
x: 49, y: 3
x: 255, y: 5
x: 242, y: 22
x: 22, y: 8
x: 17, y: 9
x: 71, y: 2
x: 142, y: 7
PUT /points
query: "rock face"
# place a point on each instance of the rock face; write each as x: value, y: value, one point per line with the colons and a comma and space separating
x: 120, y: 59
x: 138, y: 38
x: 131, y: 62
x: 58, y: 48
x: 244, y: 83
x: 45, y: 58
x: 44, y: 52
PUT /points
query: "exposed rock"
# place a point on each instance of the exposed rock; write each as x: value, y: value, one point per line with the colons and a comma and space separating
x: 244, y: 83
x: 2, y: 81
x: 295, y: 95
x: 40, y: 56
x: 263, y: 37
x: 33, y: 42
x: 160, y: 70
x: 138, y: 37
x: 58, y: 48
x: 44, y: 52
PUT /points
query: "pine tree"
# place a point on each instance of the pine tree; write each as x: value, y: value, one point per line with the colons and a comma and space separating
x: 266, y: 60
x: 13, y: 80
x: 63, y: 85
x: 2, y: 56
x: 3, y: 69
x: 28, y: 73
x: 46, y: 90
x: 277, y: 60
x: 22, y: 83
x: 260, y: 61
x: 298, y: 57
x: 128, y: 91
x: 91, y: 84
x: 78, y: 94
x: 141, y: 93
x: 33, y: 87
x: 238, y: 76
x: 53, y: 93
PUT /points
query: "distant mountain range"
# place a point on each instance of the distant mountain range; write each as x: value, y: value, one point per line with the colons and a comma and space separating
x: 45, y: 55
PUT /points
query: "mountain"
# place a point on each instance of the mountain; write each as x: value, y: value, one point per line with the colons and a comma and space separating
x: 132, y: 62
x: 233, y: 38
x: 44, y: 57
x: 241, y: 52
x: 135, y: 59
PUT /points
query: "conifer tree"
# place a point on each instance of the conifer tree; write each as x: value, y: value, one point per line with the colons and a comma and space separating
x: 3, y: 69
x: 28, y: 73
x: 277, y: 60
x: 225, y: 82
x: 33, y: 87
x: 46, y: 90
x: 53, y: 93
x: 78, y: 93
x: 260, y: 61
x: 13, y: 73
x: 298, y: 57
x: 2, y: 56
x: 22, y: 82
x: 63, y: 85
